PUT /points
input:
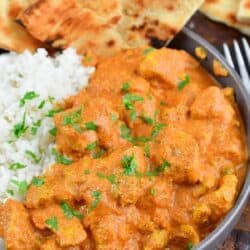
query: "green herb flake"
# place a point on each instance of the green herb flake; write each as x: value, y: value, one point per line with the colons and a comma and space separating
x: 190, y: 245
x: 20, y: 128
x: 125, y: 87
x: 70, y: 212
x: 53, y: 131
x: 129, y: 99
x: 60, y: 158
x: 147, y: 151
x: 133, y: 115
x: 86, y: 171
x: 163, y: 103
x: 33, y: 156
x: 38, y: 181
x: 51, y: 99
x: 98, y: 154
x: 113, y: 117
x: 157, y: 128
x: 10, y: 192
x: 110, y: 178
x: 72, y: 119
x: 20, y: 75
x: 153, y: 191
x: 147, y: 120
x: 53, y: 112
x: 165, y: 165
x: 35, y: 127
x: 21, y: 185
x: 92, y: 145
x: 126, y: 134
x: 28, y: 96
x: 16, y: 166
x: 41, y: 104
x: 184, y: 83
x: 142, y: 139
x: 129, y: 164
x: 148, y: 50
x: 52, y: 223
x: 97, y: 198
x: 89, y: 59
x: 91, y: 126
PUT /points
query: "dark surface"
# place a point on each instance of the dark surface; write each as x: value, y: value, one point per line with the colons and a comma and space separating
x: 217, y: 34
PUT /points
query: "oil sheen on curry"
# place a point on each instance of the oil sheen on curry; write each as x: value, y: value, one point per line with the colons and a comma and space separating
x: 151, y: 155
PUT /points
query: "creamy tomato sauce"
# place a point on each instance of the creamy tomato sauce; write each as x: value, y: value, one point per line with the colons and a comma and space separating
x: 150, y: 156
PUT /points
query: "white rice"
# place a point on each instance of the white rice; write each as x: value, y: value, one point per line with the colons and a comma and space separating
x: 57, y: 77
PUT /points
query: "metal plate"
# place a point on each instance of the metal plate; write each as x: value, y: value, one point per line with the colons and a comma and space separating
x: 188, y: 40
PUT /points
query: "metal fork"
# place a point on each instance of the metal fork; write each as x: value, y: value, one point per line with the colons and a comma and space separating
x: 242, y: 65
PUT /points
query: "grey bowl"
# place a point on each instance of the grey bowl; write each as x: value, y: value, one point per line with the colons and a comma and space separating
x: 188, y: 41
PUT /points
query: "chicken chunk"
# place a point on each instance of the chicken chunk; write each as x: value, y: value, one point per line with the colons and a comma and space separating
x: 216, y: 204
x: 16, y: 228
x: 166, y: 65
x: 50, y: 244
x: 181, y: 151
x: 212, y: 104
x: 69, y: 231
x: 157, y: 240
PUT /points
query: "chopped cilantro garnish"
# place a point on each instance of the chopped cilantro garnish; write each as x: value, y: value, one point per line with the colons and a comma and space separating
x: 142, y: 139
x: 97, y: 198
x: 147, y: 120
x: 91, y: 126
x: 60, y: 158
x: 133, y: 115
x: 20, y: 128
x: 21, y: 185
x: 35, y: 127
x: 33, y: 156
x: 72, y: 119
x: 147, y: 151
x: 51, y: 99
x: 70, y: 212
x: 125, y: 87
x: 53, y: 131
x: 184, y: 83
x: 52, y: 223
x: 92, y: 145
x: 129, y: 164
x: 28, y: 96
x: 165, y: 165
x: 157, y: 128
x: 20, y: 75
x: 148, y: 50
x: 110, y: 178
x: 126, y: 134
x: 98, y: 154
x: 53, y: 112
x: 163, y: 103
x: 37, y: 181
x: 190, y: 245
x: 10, y: 192
x: 113, y: 117
x: 86, y: 171
x: 129, y: 99
x: 16, y: 166
x: 153, y: 191
x: 41, y: 104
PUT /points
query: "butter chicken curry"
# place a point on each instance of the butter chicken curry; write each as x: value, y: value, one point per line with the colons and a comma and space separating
x: 150, y: 156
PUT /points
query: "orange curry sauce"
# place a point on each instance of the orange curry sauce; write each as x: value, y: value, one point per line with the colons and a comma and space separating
x: 158, y: 157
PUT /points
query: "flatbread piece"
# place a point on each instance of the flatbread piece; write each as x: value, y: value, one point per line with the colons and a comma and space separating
x: 12, y: 35
x: 225, y: 11
x: 244, y: 11
x: 106, y: 26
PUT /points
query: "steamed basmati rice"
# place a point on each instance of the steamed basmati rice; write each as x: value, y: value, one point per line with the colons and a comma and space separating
x: 53, y: 79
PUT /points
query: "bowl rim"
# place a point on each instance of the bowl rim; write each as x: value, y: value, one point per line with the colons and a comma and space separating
x: 230, y: 220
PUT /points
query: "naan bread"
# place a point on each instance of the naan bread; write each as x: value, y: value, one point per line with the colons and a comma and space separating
x: 106, y: 26
x: 225, y: 11
x: 244, y: 11
x: 12, y: 35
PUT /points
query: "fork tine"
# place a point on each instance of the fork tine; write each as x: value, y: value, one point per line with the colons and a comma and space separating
x: 247, y: 49
x: 241, y: 63
x: 228, y: 55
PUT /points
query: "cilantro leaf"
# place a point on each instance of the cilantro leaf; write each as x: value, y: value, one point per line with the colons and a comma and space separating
x: 16, y: 166
x: 147, y: 120
x: 148, y: 50
x: 157, y: 128
x: 52, y: 223
x: 98, y: 154
x: 110, y: 178
x: 133, y: 115
x: 20, y: 128
x: 129, y: 99
x: 129, y: 164
x: 21, y: 185
x: 33, y: 156
x: 53, y: 131
x: 147, y: 151
x: 60, y: 158
x: 91, y: 126
x: 70, y: 212
x: 153, y: 191
x: 72, y: 119
x: 28, y: 96
x: 53, y: 112
x: 97, y: 198
x: 125, y: 87
x: 92, y: 145
x: 38, y: 181
x: 113, y: 117
x: 184, y: 83
x: 190, y: 245
x: 41, y: 104
x: 35, y: 127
